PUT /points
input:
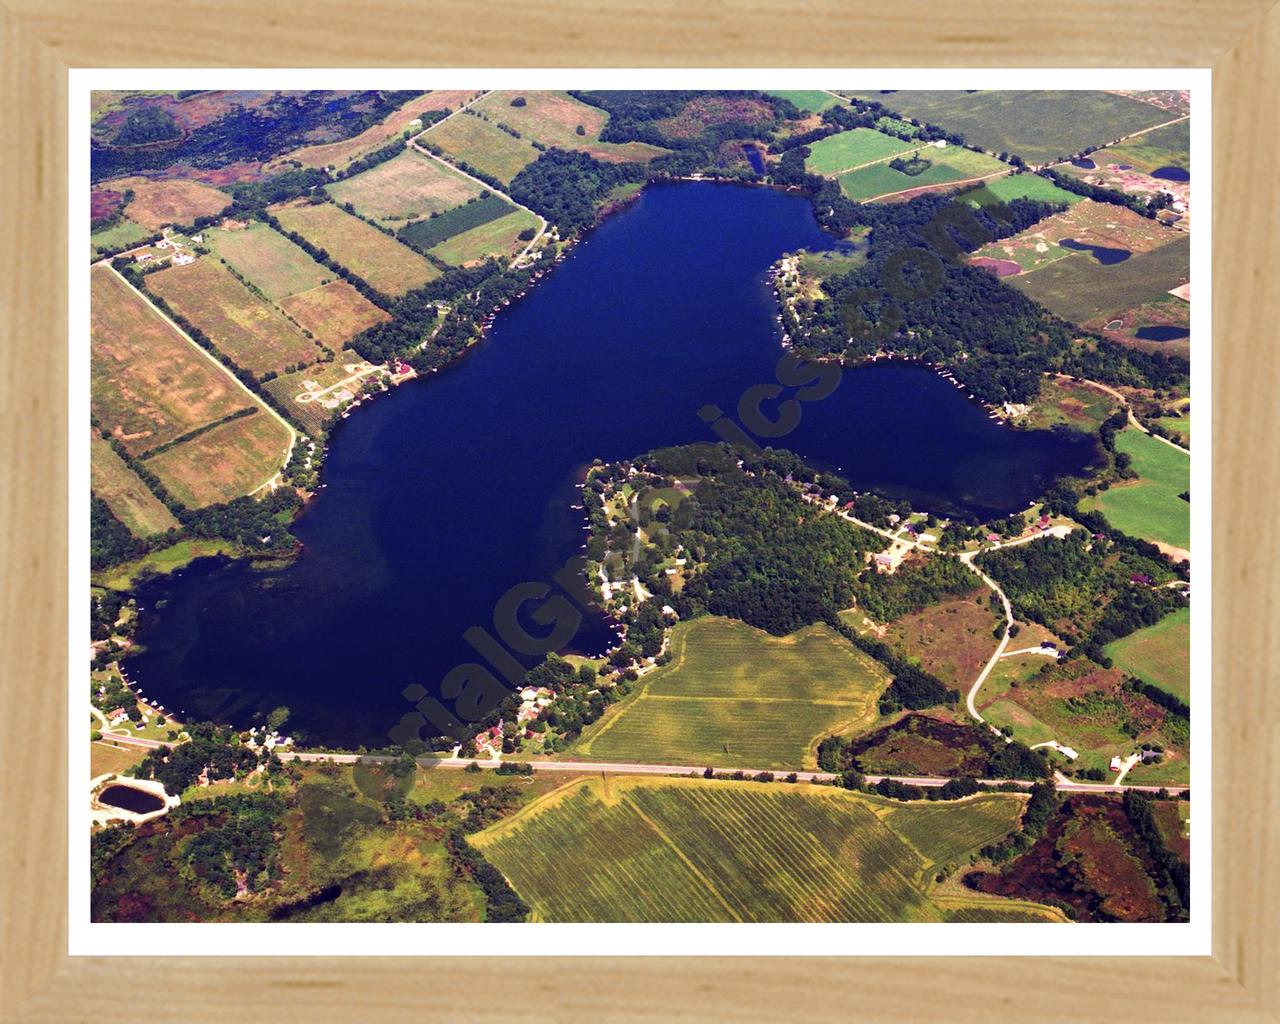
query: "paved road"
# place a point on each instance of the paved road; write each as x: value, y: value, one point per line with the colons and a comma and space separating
x: 627, y: 768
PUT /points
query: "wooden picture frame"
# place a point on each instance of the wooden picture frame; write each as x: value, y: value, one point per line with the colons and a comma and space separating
x: 1239, y: 39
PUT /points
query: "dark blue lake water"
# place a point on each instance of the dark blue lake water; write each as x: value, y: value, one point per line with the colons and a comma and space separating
x: 1172, y: 173
x: 444, y: 494
x: 1105, y: 255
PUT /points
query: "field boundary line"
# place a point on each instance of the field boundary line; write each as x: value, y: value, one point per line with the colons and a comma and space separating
x: 882, y: 160
x: 293, y: 434
x: 693, y: 868
x: 938, y: 184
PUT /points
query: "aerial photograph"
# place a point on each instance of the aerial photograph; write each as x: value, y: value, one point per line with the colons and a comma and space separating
x: 639, y: 506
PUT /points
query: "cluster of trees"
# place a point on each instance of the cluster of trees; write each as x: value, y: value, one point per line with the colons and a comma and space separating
x: 285, y: 122
x: 147, y: 126
x: 1171, y: 875
x: 1088, y: 582
x: 212, y: 748
x: 501, y: 901
x: 638, y: 115
x: 567, y: 187
x: 915, y: 584
x: 1040, y: 810
x: 912, y: 687
x: 239, y: 839
x: 110, y: 541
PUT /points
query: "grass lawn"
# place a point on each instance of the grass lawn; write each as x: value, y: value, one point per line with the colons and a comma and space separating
x: 633, y: 849
x: 1180, y: 425
x: 1022, y: 186
x: 403, y: 188
x: 254, y: 335
x: 384, y: 263
x: 853, y: 148
x: 1149, y: 507
x: 123, y: 490
x: 231, y: 460
x: 735, y: 696
x: 123, y: 233
x: 272, y: 263
x: 812, y: 100
x: 1039, y: 125
x: 482, y: 145
x: 1079, y: 288
x: 495, y: 238
x: 947, y: 165
x: 149, y: 385
x: 106, y: 757
x: 1159, y: 655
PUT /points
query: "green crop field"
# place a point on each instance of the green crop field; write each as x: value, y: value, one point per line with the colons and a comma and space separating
x: 813, y: 100
x: 254, y: 335
x: 1169, y: 146
x: 631, y: 849
x: 434, y: 230
x: 735, y: 696
x: 951, y: 164
x: 384, y: 263
x: 482, y: 145
x: 1149, y: 507
x: 1080, y: 289
x: 268, y: 260
x: 403, y: 188
x: 853, y: 148
x: 1159, y: 655
x: 124, y: 232
x: 495, y: 238
x: 123, y: 490
x: 1021, y: 186
x: 1041, y: 126
x: 947, y: 838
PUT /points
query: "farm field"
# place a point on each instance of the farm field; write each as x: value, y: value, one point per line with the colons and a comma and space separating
x: 339, y: 379
x: 853, y: 148
x: 734, y: 696
x: 384, y: 263
x: 340, y: 155
x: 1159, y: 655
x: 403, y: 188
x: 232, y: 459
x: 482, y: 145
x: 494, y: 238
x: 120, y: 235
x: 107, y: 758
x: 1169, y: 146
x: 951, y: 639
x: 1082, y: 290
x: 1041, y: 126
x: 252, y: 334
x: 434, y: 230
x: 1149, y: 507
x: 176, y: 201
x: 268, y: 260
x: 123, y: 490
x: 547, y: 116
x: 947, y: 165
x: 813, y: 100
x: 1088, y: 223
x: 629, y: 849
x: 149, y: 384
x: 1022, y: 186
x: 334, y: 313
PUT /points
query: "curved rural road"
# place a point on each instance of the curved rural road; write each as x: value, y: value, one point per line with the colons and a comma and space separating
x: 1124, y: 402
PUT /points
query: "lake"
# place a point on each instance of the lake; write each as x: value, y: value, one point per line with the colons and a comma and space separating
x: 442, y: 495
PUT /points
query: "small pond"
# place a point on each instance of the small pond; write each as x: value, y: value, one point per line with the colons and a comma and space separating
x: 1172, y: 173
x: 130, y: 798
x: 1084, y: 164
x: 1162, y: 332
x: 1103, y: 254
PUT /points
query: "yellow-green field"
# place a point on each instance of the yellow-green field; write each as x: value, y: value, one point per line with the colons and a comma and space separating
x: 1159, y: 655
x: 1149, y: 507
x: 496, y: 238
x: 403, y: 188
x: 122, y: 489
x: 384, y: 263
x: 634, y: 849
x: 736, y: 696
x: 232, y: 459
x: 548, y: 116
x: 272, y: 263
x: 482, y: 145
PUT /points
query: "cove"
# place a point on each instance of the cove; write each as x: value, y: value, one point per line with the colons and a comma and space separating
x: 444, y: 494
